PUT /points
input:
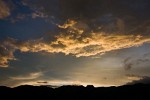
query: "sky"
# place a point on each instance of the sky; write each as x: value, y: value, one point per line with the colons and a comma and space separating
x: 74, y: 42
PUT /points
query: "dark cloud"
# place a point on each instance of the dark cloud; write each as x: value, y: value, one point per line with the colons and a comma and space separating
x: 142, y: 60
x: 42, y: 82
x: 100, y: 15
x: 110, y: 15
x: 127, y: 64
x: 89, y: 9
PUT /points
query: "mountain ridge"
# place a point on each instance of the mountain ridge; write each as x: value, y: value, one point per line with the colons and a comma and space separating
x: 78, y: 92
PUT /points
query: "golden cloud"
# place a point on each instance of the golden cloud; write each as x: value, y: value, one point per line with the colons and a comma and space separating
x: 67, y: 24
x: 7, y: 50
x: 96, y: 43
x: 133, y: 77
x: 76, y: 42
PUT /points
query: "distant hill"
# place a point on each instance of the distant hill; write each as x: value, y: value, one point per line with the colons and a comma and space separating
x: 137, y: 91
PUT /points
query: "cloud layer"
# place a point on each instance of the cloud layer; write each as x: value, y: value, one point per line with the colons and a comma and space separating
x: 74, y: 40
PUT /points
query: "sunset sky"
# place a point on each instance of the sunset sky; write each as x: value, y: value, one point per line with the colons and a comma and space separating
x: 67, y: 42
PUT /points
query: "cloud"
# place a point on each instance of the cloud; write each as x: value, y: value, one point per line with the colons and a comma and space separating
x: 4, y: 10
x: 38, y: 14
x: 144, y: 80
x: 67, y: 24
x: 55, y: 83
x: 7, y: 49
x: 76, y: 41
x: 90, y: 29
x: 42, y: 82
x: 18, y: 17
x: 133, y: 77
x: 28, y: 77
x: 130, y: 62
x: 99, y: 13
x: 96, y: 43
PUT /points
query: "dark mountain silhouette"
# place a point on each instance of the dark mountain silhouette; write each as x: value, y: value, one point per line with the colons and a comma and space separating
x: 137, y: 91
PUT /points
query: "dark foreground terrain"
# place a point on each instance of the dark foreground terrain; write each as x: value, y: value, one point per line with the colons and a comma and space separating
x: 137, y: 91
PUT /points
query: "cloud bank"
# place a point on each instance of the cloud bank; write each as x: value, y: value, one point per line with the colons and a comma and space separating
x: 72, y: 40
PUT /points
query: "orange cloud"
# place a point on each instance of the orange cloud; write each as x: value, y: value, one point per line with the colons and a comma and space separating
x: 67, y: 24
x: 133, y: 77
x: 7, y: 50
x: 96, y: 43
x: 76, y: 42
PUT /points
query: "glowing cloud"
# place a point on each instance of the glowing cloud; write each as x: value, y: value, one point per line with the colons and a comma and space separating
x: 134, y: 77
x: 73, y: 41
x: 6, y: 52
x: 67, y: 24
x: 96, y: 43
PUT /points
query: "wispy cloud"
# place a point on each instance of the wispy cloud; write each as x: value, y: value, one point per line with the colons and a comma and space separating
x: 38, y: 14
x: 4, y: 9
x: 133, y: 77
x: 58, y: 83
x: 130, y: 62
x: 28, y: 77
